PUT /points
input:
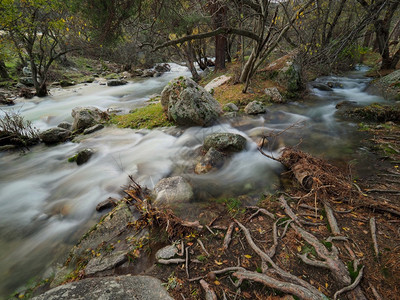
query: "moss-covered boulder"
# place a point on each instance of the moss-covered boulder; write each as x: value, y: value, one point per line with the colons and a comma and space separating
x: 225, y: 142
x: 188, y: 104
x: 377, y: 113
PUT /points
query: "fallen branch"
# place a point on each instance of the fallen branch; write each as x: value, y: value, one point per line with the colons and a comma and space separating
x: 228, y: 236
x: 372, y: 226
x: 210, y: 294
x: 351, y: 286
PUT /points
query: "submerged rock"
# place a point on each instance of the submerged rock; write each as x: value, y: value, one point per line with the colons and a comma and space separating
x: 321, y: 86
x: 55, y: 135
x: 94, y: 128
x: 255, y: 108
x: 225, y: 142
x: 116, y: 82
x: 172, y: 190
x: 83, y: 156
x: 65, y: 125
x: 212, y: 159
x: 6, y: 101
x: 162, y: 68
x: 110, y: 288
x: 106, y: 204
x: 186, y: 103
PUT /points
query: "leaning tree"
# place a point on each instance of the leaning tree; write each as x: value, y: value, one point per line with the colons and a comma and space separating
x: 41, y: 30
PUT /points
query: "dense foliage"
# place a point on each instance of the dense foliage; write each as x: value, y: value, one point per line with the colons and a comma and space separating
x: 331, y: 33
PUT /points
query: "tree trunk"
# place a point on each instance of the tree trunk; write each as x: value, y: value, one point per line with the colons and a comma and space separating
x: 3, y: 70
x: 248, y: 67
x: 189, y: 54
x: 219, y: 13
x: 42, y: 90
x: 220, y: 51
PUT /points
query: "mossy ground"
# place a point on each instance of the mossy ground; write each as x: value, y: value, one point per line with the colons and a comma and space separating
x: 232, y: 92
x: 150, y: 116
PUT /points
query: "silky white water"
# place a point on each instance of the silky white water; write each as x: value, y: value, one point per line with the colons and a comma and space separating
x: 46, y: 203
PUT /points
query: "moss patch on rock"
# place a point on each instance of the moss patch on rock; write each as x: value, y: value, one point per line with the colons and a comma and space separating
x: 149, y: 117
x: 377, y: 112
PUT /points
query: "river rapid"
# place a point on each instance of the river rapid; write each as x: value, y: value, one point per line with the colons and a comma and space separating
x: 47, y: 203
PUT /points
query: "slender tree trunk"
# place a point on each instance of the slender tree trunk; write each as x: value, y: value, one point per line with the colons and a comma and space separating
x: 189, y: 54
x: 3, y: 70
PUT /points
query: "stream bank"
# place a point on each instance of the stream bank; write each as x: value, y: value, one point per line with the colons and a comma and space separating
x: 277, y: 120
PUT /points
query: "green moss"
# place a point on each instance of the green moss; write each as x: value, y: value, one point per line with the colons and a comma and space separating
x: 377, y: 112
x: 73, y: 158
x: 151, y: 116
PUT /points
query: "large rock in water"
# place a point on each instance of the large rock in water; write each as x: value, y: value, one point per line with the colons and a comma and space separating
x: 85, y: 117
x: 55, y: 135
x: 172, y: 191
x: 109, y: 288
x: 188, y: 104
x: 225, y: 142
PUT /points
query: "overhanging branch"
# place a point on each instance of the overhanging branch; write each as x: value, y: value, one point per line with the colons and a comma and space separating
x: 221, y: 30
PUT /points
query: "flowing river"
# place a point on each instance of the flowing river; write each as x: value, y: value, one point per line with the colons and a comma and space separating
x: 46, y: 203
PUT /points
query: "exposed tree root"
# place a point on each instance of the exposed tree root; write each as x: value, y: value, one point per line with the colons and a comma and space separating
x: 228, y: 236
x: 202, y: 247
x: 285, y: 275
x: 210, y: 294
x: 331, y: 219
x: 351, y: 286
x: 259, y: 210
x: 273, y: 276
x: 372, y: 226
x: 283, y: 286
